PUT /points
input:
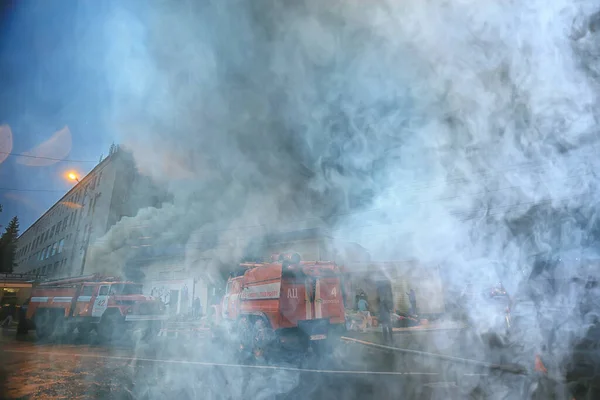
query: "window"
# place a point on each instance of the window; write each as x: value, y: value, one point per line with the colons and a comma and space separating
x: 65, y: 221
x: 43, y: 254
x: 61, y: 244
x: 55, y: 268
x: 52, y: 230
x: 95, y: 200
x: 44, y: 270
x: 54, y: 248
x: 88, y: 291
x: 103, y: 291
x: 48, y: 251
x: 58, y: 227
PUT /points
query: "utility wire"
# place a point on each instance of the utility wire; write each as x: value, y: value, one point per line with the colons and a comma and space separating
x: 30, y: 190
x: 46, y: 158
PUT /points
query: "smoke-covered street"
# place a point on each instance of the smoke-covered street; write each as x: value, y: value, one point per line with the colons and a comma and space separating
x: 192, y: 369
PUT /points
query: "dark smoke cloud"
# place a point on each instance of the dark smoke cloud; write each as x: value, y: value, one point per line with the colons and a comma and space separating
x: 458, y: 133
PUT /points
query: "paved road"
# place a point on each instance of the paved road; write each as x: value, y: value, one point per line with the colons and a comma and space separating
x: 190, y: 370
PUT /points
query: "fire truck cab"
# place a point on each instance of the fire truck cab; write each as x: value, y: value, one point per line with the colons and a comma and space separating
x: 107, y: 305
x: 285, y: 299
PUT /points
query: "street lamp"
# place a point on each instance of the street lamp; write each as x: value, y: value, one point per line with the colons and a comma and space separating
x: 73, y: 176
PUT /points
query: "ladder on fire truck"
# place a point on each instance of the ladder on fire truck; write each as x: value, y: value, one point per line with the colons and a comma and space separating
x: 79, y: 279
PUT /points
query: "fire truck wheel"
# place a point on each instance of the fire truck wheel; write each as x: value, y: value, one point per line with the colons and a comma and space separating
x: 244, y: 333
x: 262, y: 336
x: 84, y: 330
x: 50, y: 324
x: 111, y: 326
x: 258, y: 336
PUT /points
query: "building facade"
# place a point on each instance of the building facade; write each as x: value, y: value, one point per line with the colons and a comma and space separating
x: 56, y: 244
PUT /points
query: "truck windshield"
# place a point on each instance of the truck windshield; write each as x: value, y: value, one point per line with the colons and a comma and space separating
x: 125, y: 289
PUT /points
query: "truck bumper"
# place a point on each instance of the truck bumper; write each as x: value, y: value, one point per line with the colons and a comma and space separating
x: 145, y: 318
x: 311, y: 330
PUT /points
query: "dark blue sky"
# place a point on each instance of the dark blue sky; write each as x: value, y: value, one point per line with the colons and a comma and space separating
x: 52, y: 74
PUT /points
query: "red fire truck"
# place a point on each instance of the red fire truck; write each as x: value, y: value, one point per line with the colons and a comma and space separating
x: 284, y: 300
x: 105, y: 304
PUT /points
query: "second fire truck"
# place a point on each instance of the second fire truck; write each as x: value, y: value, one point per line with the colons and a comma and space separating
x: 107, y: 305
x: 283, y: 301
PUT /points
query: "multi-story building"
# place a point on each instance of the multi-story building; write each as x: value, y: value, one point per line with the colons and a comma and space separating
x: 56, y: 244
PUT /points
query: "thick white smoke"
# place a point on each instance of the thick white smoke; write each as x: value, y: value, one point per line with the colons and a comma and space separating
x: 461, y: 133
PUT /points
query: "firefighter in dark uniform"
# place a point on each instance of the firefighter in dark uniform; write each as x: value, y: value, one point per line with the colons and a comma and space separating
x: 23, y: 326
x: 386, y: 308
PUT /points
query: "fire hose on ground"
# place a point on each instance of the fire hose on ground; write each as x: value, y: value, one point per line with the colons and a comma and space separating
x: 510, y: 368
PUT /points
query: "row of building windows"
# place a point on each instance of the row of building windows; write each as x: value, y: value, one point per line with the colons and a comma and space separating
x: 56, y: 229
x: 69, y: 220
x: 57, y: 247
x: 51, y: 250
x: 51, y: 270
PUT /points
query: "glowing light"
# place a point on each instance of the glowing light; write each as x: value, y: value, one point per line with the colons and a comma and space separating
x: 72, y: 176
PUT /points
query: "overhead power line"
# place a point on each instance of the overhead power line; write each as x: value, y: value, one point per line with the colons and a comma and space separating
x: 46, y: 158
x: 31, y: 190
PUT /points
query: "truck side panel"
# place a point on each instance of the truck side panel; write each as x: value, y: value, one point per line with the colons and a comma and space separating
x: 50, y: 298
x: 294, y: 304
x: 261, y: 297
x: 85, y: 301
x: 329, y: 302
